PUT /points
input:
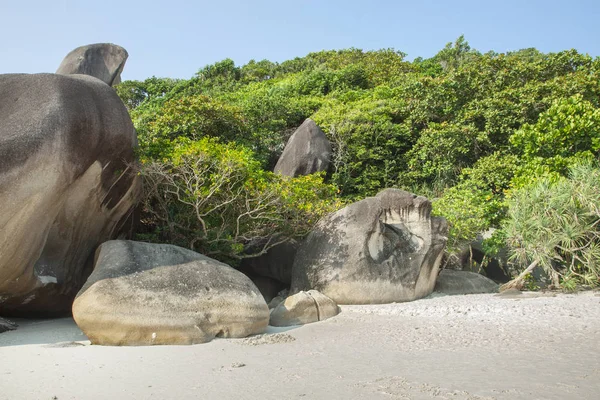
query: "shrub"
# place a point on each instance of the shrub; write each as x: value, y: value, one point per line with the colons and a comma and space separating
x: 215, y: 199
x: 566, y: 134
x: 190, y: 117
x: 555, y: 224
x: 469, y: 210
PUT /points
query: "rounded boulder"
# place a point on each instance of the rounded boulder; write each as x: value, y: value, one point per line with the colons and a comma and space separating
x: 304, y: 308
x: 149, y: 294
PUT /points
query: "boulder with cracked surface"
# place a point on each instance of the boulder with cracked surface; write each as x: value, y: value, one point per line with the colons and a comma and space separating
x: 382, y: 249
x: 150, y: 294
x: 303, y: 308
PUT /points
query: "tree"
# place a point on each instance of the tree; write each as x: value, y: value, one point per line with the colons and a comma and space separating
x: 567, y: 133
x: 442, y: 151
x: 215, y: 199
x: 469, y: 210
x: 191, y: 117
x: 134, y: 93
x: 555, y: 225
x: 455, y: 54
x: 258, y: 71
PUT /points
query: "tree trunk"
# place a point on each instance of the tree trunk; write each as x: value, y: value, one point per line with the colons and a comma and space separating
x: 519, y: 281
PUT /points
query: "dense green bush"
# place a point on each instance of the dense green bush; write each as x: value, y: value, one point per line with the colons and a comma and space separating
x: 469, y: 210
x: 216, y: 199
x: 191, y: 117
x: 134, y: 93
x: 556, y: 225
x: 566, y: 134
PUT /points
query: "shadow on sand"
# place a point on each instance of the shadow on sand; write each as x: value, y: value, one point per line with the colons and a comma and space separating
x: 61, y: 332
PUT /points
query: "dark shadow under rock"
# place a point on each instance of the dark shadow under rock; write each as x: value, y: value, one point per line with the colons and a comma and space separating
x: 464, y: 282
x: 268, y: 287
x: 276, y: 263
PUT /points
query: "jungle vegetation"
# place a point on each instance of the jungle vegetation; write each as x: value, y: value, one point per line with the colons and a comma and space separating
x: 497, y: 140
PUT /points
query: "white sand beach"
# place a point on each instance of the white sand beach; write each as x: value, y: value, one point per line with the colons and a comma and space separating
x: 530, y: 346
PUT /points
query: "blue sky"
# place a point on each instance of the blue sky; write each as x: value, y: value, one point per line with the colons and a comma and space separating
x: 175, y: 38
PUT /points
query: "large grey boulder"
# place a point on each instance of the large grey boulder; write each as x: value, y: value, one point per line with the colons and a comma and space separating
x: 66, y: 185
x: 303, y: 308
x: 381, y: 249
x: 464, y: 282
x: 306, y: 152
x: 104, y: 61
x: 146, y: 294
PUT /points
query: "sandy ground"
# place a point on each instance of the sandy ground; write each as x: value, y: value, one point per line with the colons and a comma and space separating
x: 451, y: 347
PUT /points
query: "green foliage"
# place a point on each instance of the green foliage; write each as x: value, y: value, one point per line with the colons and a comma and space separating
x: 495, y: 244
x: 442, y: 151
x: 258, y: 71
x: 556, y: 224
x: 191, y: 117
x: 467, y: 127
x: 216, y: 199
x: 566, y: 134
x: 369, y: 144
x: 477, y: 203
x: 531, y: 284
x: 381, y: 66
x: 469, y: 211
x: 134, y: 93
x: 455, y: 54
x: 271, y: 114
x: 494, y: 172
x: 223, y: 70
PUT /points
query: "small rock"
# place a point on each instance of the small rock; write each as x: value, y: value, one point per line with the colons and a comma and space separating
x: 304, y: 308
